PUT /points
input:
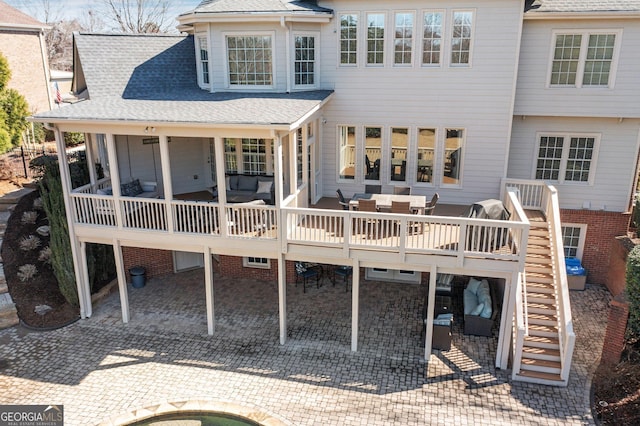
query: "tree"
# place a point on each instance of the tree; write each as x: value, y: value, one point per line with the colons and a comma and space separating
x: 633, y: 290
x: 138, y: 16
x: 13, y: 110
x: 59, y: 44
x: 5, y: 72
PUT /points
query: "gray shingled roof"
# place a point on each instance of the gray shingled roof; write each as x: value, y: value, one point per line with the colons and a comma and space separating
x: 153, y: 79
x: 257, y: 6
x: 559, y: 6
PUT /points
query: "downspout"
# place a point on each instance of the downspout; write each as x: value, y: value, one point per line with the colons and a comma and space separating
x: 45, y: 65
x: 284, y: 25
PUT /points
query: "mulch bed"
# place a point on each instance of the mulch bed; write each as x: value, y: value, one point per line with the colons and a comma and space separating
x: 42, y: 289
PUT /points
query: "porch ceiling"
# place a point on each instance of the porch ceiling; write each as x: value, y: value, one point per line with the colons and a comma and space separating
x: 266, y: 109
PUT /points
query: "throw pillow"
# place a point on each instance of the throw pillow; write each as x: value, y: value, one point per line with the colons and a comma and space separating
x: 247, y: 183
x: 469, y: 300
x: 300, y: 269
x: 477, y: 310
x: 473, y: 285
x: 227, y: 182
x: 131, y: 189
x: 264, y: 187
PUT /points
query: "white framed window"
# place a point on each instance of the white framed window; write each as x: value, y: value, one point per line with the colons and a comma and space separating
x: 375, y: 38
x: 249, y: 60
x: 347, y: 152
x: 248, y: 156
x: 230, y: 156
x: 348, y: 39
x: 403, y: 39
x: 426, y: 154
x: 453, y: 158
x: 461, y: 37
x: 256, y: 262
x: 584, y: 58
x: 432, y: 31
x: 399, y: 145
x: 203, y: 60
x: 573, y: 238
x: 304, y: 62
x: 566, y: 158
x: 372, y: 152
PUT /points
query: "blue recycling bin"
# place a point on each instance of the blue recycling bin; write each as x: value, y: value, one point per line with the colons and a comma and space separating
x: 576, y: 274
x: 137, y: 276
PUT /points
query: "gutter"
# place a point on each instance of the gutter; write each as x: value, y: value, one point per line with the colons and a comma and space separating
x: 582, y: 15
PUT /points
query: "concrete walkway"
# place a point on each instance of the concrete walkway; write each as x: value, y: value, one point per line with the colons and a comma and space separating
x: 101, y: 369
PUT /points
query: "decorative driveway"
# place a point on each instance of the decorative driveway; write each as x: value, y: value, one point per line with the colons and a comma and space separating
x: 101, y: 369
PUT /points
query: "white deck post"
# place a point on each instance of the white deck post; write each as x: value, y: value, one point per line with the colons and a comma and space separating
x: 166, y: 179
x: 208, y: 287
x: 428, y: 339
x: 114, y: 175
x: 355, y: 304
x: 91, y: 163
x: 84, y: 273
x: 506, y: 322
x: 122, y: 281
x: 282, y: 298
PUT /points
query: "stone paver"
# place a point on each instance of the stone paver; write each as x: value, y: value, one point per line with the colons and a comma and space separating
x: 100, y: 368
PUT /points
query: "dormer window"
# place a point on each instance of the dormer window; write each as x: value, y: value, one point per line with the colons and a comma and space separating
x: 250, y: 60
x: 203, y: 59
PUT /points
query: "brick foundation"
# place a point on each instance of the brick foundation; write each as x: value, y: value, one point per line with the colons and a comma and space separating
x: 602, y: 228
x: 157, y: 263
x: 616, y: 275
x: 616, y: 329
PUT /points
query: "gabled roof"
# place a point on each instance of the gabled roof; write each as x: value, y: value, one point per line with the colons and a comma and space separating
x: 258, y: 6
x: 151, y: 78
x: 13, y: 18
x: 586, y: 6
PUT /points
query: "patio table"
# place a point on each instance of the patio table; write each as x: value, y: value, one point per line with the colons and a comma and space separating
x: 416, y: 202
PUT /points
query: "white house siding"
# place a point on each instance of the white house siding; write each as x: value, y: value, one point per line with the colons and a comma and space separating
x: 187, y: 165
x: 615, y: 168
x: 137, y: 160
x: 534, y: 97
x: 477, y: 98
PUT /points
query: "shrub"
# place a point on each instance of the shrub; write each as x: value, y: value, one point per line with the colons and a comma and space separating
x: 5, y: 139
x: 26, y: 272
x: 73, y: 139
x: 37, y: 203
x: 16, y: 112
x: 29, y: 217
x: 635, y: 214
x: 30, y: 243
x: 633, y: 290
x: 45, y: 255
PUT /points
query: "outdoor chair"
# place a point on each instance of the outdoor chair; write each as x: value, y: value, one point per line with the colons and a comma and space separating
x: 345, y: 272
x: 402, y: 190
x: 431, y: 205
x: 401, y: 207
x: 341, y: 200
x: 373, y: 189
x: 304, y: 273
x: 367, y: 226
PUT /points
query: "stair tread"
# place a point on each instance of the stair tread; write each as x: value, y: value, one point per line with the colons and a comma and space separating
x: 542, y: 339
x: 539, y: 375
x: 534, y: 315
x: 533, y: 350
x: 540, y: 362
x: 533, y: 328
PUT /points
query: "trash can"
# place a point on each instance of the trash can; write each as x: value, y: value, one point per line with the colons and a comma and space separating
x: 576, y: 274
x: 137, y: 276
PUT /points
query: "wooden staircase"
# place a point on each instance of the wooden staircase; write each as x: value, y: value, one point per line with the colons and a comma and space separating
x: 541, y: 358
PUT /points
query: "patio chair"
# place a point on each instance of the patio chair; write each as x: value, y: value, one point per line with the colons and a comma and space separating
x: 401, y: 207
x: 431, y: 205
x: 367, y: 226
x: 303, y: 273
x: 345, y: 272
x: 341, y: 200
x: 373, y: 189
x: 402, y: 190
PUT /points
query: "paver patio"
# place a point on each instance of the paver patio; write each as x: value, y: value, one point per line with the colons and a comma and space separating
x: 100, y: 368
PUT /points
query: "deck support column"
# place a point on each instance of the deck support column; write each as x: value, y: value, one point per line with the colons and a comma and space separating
x: 506, y: 322
x: 282, y: 298
x: 355, y: 304
x: 84, y: 286
x: 208, y: 287
x: 428, y: 339
x: 122, y: 281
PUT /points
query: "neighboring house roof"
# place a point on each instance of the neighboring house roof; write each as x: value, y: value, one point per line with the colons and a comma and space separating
x: 13, y: 18
x: 586, y: 6
x: 257, y: 6
x: 152, y: 78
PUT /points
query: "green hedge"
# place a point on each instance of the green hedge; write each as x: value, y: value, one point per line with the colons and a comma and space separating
x: 633, y: 290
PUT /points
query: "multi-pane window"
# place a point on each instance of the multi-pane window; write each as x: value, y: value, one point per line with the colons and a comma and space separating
x: 432, y: 38
x: 256, y: 262
x: 403, y: 40
x: 571, y: 238
x: 583, y: 59
x: 230, y: 158
x: 305, y: 60
x: 462, y: 29
x: 373, y: 152
x: 452, y: 166
x: 375, y: 38
x: 349, y: 39
x: 399, y: 147
x: 250, y: 60
x: 299, y: 147
x: 549, y: 157
x: 204, y: 59
x: 566, y: 158
x: 254, y: 156
x: 347, y: 154
x: 426, y: 151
